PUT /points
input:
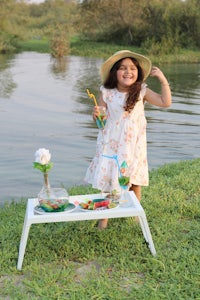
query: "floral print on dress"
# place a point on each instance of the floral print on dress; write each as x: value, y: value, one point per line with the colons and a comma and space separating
x: 125, y: 136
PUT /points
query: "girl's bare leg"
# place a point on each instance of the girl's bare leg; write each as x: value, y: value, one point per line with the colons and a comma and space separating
x: 137, y: 190
x: 102, y: 224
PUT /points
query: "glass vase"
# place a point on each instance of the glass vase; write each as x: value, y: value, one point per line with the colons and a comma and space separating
x: 52, y: 199
x: 124, y: 181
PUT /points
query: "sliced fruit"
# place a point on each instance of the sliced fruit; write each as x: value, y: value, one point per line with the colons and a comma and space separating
x: 112, y: 205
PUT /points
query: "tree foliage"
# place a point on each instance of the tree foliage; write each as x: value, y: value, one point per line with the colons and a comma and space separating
x: 157, y: 25
x: 12, y: 21
x: 23, y: 20
x: 142, y: 22
x: 114, y: 20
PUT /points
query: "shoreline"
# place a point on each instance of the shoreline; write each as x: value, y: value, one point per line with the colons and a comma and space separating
x: 103, y: 50
x: 87, y: 189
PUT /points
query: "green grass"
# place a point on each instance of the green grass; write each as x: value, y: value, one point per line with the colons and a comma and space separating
x: 38, y: 45
x: 78, y: 262
x: 104, y: 50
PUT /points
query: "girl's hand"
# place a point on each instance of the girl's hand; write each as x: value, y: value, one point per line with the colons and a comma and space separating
x: 163, y: 99
x: 95, y: 113
x: 99, y: 111
x: 156, y: 72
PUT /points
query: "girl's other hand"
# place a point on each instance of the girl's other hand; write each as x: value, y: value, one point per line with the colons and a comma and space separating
x: 156, y: 72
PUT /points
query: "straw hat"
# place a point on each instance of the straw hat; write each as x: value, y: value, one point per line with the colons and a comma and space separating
x: 143, y: 61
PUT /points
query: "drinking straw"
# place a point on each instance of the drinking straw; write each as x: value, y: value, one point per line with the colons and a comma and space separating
x: 92, y: 96
x: 95, y: 102
x: 116, y: 159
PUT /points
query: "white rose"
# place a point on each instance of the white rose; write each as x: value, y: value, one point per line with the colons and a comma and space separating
x: 42, y: 156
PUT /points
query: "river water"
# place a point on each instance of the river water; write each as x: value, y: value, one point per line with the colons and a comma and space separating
x: 43, y: 103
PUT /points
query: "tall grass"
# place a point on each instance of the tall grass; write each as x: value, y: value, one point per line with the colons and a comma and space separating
x: 38, y: 45
x: 78, y: 262
x: 96, y: 49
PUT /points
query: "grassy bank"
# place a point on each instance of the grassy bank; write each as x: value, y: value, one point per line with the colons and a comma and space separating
x: 76, y: 261
x: 94, y: 49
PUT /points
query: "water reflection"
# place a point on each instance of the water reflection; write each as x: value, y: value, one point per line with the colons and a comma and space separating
x: 7, y: 85
x: 48, y: 107
x: 58, y: 67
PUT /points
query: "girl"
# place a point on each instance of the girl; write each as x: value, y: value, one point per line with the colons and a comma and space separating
x: 123, y: 94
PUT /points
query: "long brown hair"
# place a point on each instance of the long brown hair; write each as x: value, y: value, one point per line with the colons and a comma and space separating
x: 134, y: 90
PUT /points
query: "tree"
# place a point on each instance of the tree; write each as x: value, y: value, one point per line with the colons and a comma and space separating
x: 13, y: 18
x: 168, y: 24
x: 183, y: 21
x: 106, y: 20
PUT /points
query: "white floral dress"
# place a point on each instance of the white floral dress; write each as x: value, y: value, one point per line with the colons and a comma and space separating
x: 124, y: 135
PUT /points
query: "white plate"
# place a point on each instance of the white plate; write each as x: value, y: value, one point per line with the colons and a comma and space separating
x: 40, y: 211
x: 97, y: 209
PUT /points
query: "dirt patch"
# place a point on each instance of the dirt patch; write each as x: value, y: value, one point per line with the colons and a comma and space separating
x: 85, y: 270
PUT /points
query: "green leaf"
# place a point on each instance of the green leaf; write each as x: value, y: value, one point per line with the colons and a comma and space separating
x: 49, y: 166
x: 42, y: 168
x: 123, y: 180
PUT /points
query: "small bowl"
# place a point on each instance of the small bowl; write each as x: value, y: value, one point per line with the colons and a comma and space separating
x: 53, y: 199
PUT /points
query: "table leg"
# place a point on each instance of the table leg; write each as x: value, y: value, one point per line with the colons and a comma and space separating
x: 23, y: 242
x: 146, y: 233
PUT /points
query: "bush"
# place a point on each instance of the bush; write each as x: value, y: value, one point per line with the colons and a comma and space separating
x: 59, y: 44
x: 165, y: 46
x: 7, y: 42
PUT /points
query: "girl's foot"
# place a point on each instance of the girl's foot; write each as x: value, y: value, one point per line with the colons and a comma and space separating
x: 137, y: 221
x: 102, y: 224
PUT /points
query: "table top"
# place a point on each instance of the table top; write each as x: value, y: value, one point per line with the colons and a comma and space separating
x: 131, y: 208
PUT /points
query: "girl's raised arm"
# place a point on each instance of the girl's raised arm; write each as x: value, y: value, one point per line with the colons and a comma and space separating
x: 163, y: 99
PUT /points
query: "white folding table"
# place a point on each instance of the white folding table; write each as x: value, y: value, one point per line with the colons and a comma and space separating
x: 133, y: 209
